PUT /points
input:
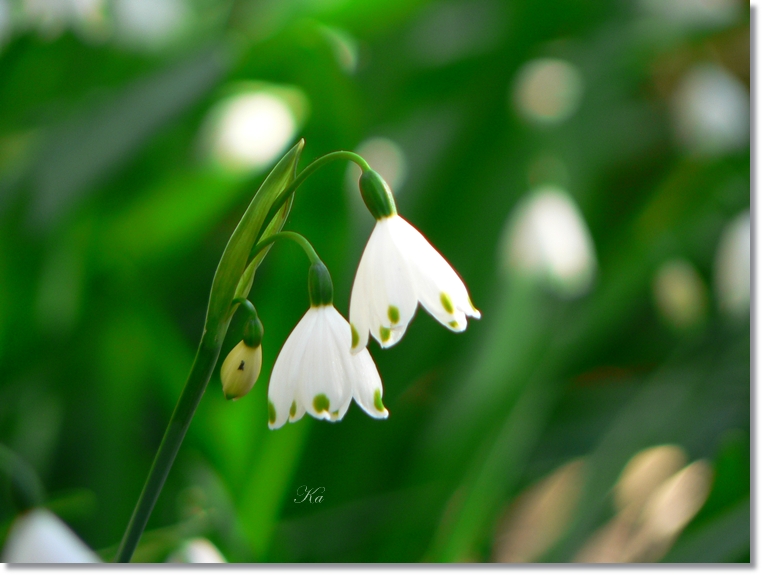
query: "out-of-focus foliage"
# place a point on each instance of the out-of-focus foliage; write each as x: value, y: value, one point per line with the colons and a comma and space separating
x: 615, y: 315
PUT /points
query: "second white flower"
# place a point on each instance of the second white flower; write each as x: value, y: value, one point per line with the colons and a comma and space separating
x: 398, y: 269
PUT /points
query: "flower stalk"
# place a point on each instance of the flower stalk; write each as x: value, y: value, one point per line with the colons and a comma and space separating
x: 235, y: 273
x: 324, y: 364
x: 225, y: 288
x: 203, y: 366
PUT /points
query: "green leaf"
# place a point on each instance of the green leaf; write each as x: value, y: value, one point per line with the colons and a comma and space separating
x: 275, y: 225
x: 233, y: 261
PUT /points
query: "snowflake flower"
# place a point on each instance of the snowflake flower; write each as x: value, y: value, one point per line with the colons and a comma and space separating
x: 398, y: 269
x: 315, y: 371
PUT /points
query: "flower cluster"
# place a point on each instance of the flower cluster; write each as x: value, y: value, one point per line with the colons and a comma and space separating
x: 324, y: 363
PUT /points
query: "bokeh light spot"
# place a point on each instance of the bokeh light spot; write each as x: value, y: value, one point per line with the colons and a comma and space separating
x: 149, y: 23
x: 644, y: 473
x: 548, y: 90
x: 680, y: 294
x: 251, y: 129
x: 693, y: 14
x: 539, y: 515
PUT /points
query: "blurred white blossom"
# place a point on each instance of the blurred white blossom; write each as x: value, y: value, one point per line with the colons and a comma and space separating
x: 198, y: 550
x: 38, y: 536
x: 732, y: 267
x: 693, y: 14
x: 546, y: 238
x: 711, y: 111
x: 251, y: 129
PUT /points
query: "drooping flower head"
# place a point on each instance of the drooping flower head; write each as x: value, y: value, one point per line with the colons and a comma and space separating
x: 398, y: 269
x: 315, y: 371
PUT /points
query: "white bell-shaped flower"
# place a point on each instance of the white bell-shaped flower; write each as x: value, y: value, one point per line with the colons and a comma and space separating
x: 546, y: 239
x: 398, y: 269
x: 38, y: 536
x: 316, y: 373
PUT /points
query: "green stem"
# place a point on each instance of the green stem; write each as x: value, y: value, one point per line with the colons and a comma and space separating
x: 294, y: 237
x: 309, y: 170
x: 247, y: 305
x: 203, y: 365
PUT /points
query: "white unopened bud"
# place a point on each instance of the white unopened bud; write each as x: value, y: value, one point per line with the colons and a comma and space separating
x: 240, y: 370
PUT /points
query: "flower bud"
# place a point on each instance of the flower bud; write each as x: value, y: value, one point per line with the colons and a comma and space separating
x: 320, y: 285
x: 240, y: 370
x: 377, y: 195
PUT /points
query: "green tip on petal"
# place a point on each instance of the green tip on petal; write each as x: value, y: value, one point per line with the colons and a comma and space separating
x: 271, y: 411
x: 446, y: 303
x: 394, y: 314
x: 386, y: 333
x: 355, y: 337
x: 377, y: 400
x: 292, y: 411
x: 453, y: 324
x: 321, y: 403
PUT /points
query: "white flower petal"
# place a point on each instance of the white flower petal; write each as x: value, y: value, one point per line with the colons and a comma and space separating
x: 285, y: 377
x: 367, y: 390
x: 325, y: 384
x: 383, y: 300
x: 439, y: 289
x: 315, y: 372
x: 341, y: 336
x: 359, y: 302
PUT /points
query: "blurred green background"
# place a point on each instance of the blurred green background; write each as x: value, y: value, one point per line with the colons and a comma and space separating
x: 583, y: 165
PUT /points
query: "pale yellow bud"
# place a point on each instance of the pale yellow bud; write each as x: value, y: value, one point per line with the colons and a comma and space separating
x: 240, y: 370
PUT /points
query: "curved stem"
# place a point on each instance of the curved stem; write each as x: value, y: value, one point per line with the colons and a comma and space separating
x: 203, y: 365
x: 309, y: 170
x: 247, y: 305
x: 293, y: 236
